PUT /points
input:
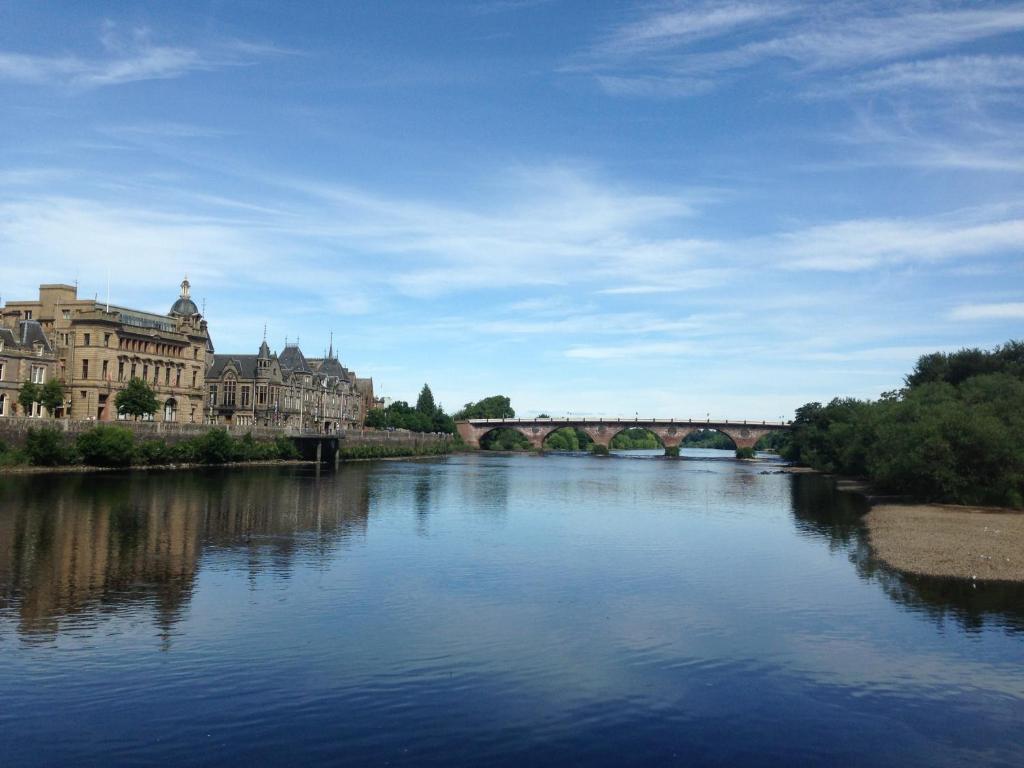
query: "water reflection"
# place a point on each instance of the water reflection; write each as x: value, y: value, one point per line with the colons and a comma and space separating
x: 821, y: 511
x: 81, y: 543
x: 484, y: 610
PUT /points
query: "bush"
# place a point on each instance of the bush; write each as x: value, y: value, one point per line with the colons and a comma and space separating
x: 286, y: 448
x: 745, y: 453
x: 154, y: 453
x: 672, y: 451
x: 47, y: 447
x: 107, y: 446
x: 13, y: 458
x: 215, y: 447
x: 599, y: 450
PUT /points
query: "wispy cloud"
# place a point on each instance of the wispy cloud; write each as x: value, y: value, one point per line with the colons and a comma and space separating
x: 848, y: 246
x: 962, y: 74
x: 689, y: 45
x: 127, y: 56
x: 1004, y: 311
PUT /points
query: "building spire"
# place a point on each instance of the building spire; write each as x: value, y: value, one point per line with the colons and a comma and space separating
x: 185, y: 285
x: 330, y: 349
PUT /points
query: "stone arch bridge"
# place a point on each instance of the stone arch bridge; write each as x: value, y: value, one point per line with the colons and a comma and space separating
x: 669, y: 431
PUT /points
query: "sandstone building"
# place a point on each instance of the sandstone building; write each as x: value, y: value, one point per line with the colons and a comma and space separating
x: 25, y: 355
x: 99, y: 347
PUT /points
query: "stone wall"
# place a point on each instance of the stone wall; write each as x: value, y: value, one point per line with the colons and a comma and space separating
x: 14, y: 429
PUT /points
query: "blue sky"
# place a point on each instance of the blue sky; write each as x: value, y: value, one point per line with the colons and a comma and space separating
x: 671, y: 208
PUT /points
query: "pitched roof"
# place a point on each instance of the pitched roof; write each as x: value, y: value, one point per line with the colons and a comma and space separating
x: 293, y: 361
x: 246, y: 365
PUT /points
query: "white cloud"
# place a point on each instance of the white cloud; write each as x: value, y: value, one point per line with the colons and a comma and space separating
x: 848, y: 246
x: 686, y: 49
x: 127, y: 57
x: 1003, y: 311
x: 951, y: 73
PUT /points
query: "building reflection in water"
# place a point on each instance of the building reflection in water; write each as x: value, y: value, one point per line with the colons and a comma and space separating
x: 820, y: 511
x: 94, y: 544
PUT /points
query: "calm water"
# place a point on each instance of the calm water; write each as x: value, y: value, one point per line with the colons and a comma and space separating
x: 486, y: 610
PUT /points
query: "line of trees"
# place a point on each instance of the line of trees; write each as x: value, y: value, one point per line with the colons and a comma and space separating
x: 425, y: 416
x: 954, y: 433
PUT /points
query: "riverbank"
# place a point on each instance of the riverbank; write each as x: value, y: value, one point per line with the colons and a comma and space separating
x: 72, y: 469
x: 981, y: 543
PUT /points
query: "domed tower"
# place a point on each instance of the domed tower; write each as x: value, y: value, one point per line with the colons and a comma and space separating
x: 184, y: 306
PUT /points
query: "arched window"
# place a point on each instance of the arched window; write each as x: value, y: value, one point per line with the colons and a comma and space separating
x: 171, y: 410
x: 229, y: 390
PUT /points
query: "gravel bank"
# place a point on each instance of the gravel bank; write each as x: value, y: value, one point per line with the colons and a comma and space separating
x: 945, y: 540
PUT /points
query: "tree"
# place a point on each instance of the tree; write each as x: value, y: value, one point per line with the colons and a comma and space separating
x: 493, y: 407
x: 425, y: 402
x: 27, y: 395
x: 137, y: 399
x: 51, y: 395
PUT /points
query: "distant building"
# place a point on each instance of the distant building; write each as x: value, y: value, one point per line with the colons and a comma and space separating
x: 25, y: 355
x: 286, y: 390
x: 100, y: 347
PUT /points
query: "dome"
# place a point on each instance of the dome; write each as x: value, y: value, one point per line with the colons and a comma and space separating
x: 184, y: 306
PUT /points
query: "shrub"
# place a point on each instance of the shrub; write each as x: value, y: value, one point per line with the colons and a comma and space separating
x: 215, y: 447
x: 13, y: 458
x: 285, y: 448
x: 599, y: 450
x: 107, y: 446
x: 154, y: 453
x: 47, y: 447
x: 745, y: 453
x: 672, y: 451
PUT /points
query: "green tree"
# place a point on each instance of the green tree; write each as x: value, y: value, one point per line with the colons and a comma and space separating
x: 51, y: 395
x: 27, y: 395
x: 493, y: 407
x: 425, y: 402
x: 136, y: 399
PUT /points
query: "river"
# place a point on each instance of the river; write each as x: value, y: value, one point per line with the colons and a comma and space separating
x: 486, y: 610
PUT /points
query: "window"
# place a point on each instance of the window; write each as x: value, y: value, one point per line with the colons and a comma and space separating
x: 3, y: 405
x: 85, y: 369
x: 194, y: 378
x: 177, y: 378
x: 229, y: 392
x: 245, y: 396
x: 167, y: 375
x: 133, y: 370
x: 66, y: 313
x: 195, y: 353
x: 28, y: 314
x: 120, y: 370
x: 104, y: 372
x: 213, y: 394
x: 145, y: 372
x: 38, y: 374
x: 2, y: 371
x: 106, y: 339
x: 86, y: 338
x: 261, y: 395
x: 156, y: 374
